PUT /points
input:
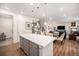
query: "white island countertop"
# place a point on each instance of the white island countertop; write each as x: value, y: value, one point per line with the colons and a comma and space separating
x: 40, y: 40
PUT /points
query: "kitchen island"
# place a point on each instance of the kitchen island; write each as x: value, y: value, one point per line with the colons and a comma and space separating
x: 37, y: 45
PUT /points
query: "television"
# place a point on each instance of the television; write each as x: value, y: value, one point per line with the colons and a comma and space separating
x: 60, y: 27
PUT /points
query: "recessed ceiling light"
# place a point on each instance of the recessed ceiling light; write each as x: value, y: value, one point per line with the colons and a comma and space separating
x: 45, y: 23
x: 37, y: 24
x: 61, y: 9
x: 31, y: 3
x: 32, y: 24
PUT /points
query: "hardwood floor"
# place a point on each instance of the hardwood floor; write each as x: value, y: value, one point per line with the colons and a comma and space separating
x: 11, y: 50
x: 69, y: 48
x: 8, y: 41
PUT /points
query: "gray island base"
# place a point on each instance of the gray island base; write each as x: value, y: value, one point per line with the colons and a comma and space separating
x: 37, y: 45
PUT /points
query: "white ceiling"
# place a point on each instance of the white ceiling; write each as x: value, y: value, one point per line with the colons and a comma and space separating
x: 49, y: 11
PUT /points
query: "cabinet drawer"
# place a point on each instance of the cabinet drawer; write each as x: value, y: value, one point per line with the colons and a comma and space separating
x: 33, y: 44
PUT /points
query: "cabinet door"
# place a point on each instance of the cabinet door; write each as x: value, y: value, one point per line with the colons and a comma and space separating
x: 34, y: 50
x: 26, y: 50
x: 21, y: 43
x: 26, y: 42
x: 26, y: 46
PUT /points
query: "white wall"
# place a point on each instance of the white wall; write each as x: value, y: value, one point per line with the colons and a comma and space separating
x: 6, y: 25
x: 19, y: 26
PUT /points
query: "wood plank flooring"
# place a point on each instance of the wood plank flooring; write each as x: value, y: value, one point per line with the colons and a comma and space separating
x: 69, y: 48
x: 11, y: 50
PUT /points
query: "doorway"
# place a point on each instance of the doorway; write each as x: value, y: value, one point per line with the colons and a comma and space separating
x: 6, y: 27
